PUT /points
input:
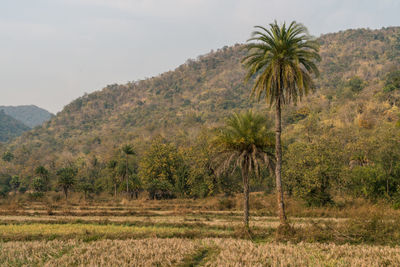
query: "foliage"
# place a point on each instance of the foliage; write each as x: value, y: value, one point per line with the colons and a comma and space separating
x: 39, y: 184
x: 8, y: 156
x: 42, y: 181
x: 356, y: 84
x: 283, y: 59
x: 163, y: 170
x: 66, y: 179
x: 15, y: 183
x: 245, y: 143
x: 312, y: 169
x: 392, y: 81
x: 4, y: 184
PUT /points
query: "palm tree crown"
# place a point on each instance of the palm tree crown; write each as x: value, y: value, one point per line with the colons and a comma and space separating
x: 244, y: 141
x: 284, y: 58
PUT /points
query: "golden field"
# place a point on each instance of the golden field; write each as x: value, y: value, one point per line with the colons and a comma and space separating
x: 207, y: 252
x: 204, y: 232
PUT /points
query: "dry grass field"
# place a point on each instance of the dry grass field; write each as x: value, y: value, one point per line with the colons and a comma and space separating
x: 204, y: 232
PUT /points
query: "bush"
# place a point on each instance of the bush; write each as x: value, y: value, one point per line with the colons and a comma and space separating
x: 367, y: 181
x: 356, y: 84
x: 226, y: 203
x: 392, y: 81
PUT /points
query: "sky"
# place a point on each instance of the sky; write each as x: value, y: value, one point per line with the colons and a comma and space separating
x: 54, y: 51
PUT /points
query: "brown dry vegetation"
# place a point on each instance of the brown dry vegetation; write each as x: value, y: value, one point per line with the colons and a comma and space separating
x: 355, y: 224
x: 183, y: 252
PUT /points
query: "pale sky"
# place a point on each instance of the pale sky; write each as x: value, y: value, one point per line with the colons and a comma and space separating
x: 53, y: 51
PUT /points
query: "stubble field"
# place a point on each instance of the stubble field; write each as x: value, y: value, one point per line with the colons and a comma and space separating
x: 189, y: 233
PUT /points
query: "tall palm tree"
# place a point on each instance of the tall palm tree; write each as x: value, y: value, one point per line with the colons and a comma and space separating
x: 246, y: 143
x: 282, y: 59
x: 127, y: 150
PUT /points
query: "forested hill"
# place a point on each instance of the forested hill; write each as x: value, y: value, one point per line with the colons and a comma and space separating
x: 10, y: 127
x: 29, y: 115
x: 358, y: 87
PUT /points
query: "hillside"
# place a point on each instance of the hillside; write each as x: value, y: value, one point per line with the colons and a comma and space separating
x: 31, y: 115
x: 354, y: 71
x: 10, y: 127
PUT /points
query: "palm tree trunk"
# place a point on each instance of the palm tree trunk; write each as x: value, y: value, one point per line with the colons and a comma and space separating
x: 278, y: 167
x: 126, y: 173
x: 245, y: 196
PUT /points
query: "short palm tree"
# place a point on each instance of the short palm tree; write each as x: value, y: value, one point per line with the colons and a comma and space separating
x: 282, y: 59
x: 245, y: 142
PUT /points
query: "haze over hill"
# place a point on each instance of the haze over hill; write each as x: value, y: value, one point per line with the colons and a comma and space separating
x: 202, y: 92
x: 30, y: 115
x: 10, y: 127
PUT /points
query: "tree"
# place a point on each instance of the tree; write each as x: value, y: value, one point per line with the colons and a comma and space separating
x: 8, y: 156
x: 245, y: 142
x: 43, y: 173
x: 127, y: 150
x: 392, y: 81
x: 282, y: 59
x: 134, y: 185
x: 160, y: 169
x: 111, y: 167
x: 86, y: 185
x: 356, y: 84
x: 15, y: 183
x: 313, y: 168
x: 66, y: 179
x: 39, y: 185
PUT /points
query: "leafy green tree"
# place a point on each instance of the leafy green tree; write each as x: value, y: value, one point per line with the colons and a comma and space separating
x: 392, y: 81
x: 356, y: 84
x: 127, y: 150
x: 66, y: 179
x: 86, y: 185
x: 312, y: 169
x: 15, y: 183
x: 159, y: 170
x: 283, y: 59
x: 246, y: 143
x: 43, y: 173
x: 4, y: 184
x: 39, y: 185
x: 8, y: 156
x: 202, y: 180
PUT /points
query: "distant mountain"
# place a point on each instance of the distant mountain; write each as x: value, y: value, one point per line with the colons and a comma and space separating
x: 31, y: 115
x: 10, y: 127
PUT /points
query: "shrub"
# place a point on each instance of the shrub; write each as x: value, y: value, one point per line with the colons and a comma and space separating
x: 356, y: 84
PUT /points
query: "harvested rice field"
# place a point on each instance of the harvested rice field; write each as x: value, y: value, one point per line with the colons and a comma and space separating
x: 192, y: 252
x: 139, y: 234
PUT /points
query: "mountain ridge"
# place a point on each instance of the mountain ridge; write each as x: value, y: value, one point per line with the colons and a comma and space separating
x: 10, y: 127
x: 30, y: 115
x: 202, y: 92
